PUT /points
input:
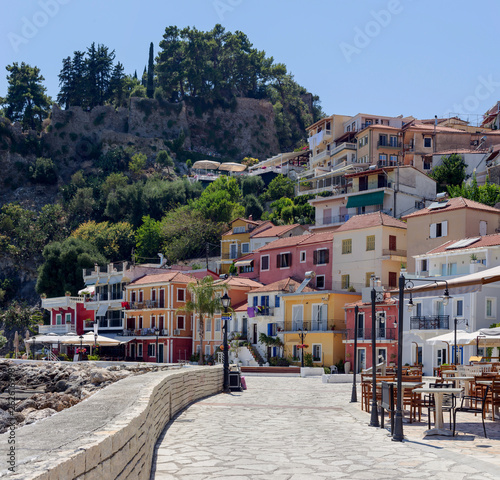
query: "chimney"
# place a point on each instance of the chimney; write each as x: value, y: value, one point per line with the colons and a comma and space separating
x: 250, y: 217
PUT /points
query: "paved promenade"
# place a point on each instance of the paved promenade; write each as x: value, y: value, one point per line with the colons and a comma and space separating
x: 286, y: 428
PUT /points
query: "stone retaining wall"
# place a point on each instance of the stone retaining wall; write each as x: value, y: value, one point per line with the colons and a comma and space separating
x: 112, y: 434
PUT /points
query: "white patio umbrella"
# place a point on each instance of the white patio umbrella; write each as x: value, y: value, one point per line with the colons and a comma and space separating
x: 463, y: 338
x: 232, y: 167
x: 206, y: 165
x: 89, y: 340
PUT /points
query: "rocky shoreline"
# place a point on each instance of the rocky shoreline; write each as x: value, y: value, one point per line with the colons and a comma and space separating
x: 33, y: 391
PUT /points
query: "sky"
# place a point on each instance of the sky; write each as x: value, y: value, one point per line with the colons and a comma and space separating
x: 384, y: 57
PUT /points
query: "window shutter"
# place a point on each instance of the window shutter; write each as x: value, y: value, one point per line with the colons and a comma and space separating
x: 290, y: 259
x: 315, y: 257
x: 444, y: 228
x: 433, y: 230
x: 327, y: 256
x: 278, y: 263
x: 255, y: 301
x: 269, y: 329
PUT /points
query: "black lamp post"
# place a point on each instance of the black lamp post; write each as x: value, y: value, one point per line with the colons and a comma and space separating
x: 157, y: 333
x: 374, y: 413
x: 81, y: 348
x: 226, y: 303
x: 398, y: 435
x: 354, y: 397
x: 455, y: 323
x: 302, y: 334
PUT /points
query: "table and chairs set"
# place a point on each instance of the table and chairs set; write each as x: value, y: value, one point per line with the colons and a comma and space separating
x: 471, y: 389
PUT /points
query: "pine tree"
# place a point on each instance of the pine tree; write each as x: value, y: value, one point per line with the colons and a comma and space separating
x: 150, y: 89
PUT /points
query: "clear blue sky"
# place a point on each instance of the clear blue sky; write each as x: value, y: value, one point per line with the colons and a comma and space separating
x: 387, y: 57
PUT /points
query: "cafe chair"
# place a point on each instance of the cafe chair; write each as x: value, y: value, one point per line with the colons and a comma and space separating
x: 472, y: 400
x: 448, y: 402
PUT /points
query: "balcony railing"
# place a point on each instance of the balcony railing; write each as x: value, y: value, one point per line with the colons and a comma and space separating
x: 143, y: 332
x: 263, y: 311
x: 430, y: 322
x: 366, y: 333
x: 57, y: 329
x: 106, y: 297
x: 143, y: 305
x: 389, y: 144
x: 397, y: 253
x: 331, y: 220
x: 311, y: 325
x: 343, y: 146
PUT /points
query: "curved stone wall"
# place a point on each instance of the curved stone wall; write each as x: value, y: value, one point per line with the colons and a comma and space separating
x: 112, y: 434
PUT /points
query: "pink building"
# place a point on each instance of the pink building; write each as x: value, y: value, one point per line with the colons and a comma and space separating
x: 67, y: 314
x: 291, y: 257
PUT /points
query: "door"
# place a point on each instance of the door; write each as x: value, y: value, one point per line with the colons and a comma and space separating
x: 254, y: 333
x: 160, y: 352
x: 162, y: 299
x: 297, y: 317
x: 244, y: 329
x: 361, y: 365
x: 132, y: 351
x: 483, y: 227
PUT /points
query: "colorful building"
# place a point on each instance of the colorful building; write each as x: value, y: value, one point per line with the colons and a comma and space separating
x: 67, y: 315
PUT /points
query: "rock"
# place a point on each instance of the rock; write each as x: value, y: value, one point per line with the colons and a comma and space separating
x: 100, y: 375
x: 6, y: 421
x: 24, y: 404
x: 4, y: 404
x: 39, y: 415
x: 61, y: 386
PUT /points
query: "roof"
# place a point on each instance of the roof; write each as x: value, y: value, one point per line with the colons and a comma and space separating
x: 163, y: 278
x: 427, y: 128
x: 238, y: 282
x: 388, y: 300
x: 240, y: 307
x: 485, y: 241
x: 455, y: 203
x: 369, y: 220
x: 282, y: 285
x: 305, y: 239
x: 254, y: 222
x: 273, y: 231
x: 382, y: 127
x: 461, y: 151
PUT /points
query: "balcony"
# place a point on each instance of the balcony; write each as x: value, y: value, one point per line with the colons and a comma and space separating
x: 105, y: 297
x: 311, y: 325
x: 57, y: 329
x: 331, y: 220
x: 365, y: 334
x: 263, y: 311
x: 61, y: 302
x: 388, y: 144
x: 393, y: 253
x: 143, y: 305
x: 430, y: 322
x: 320, y: 156
x: 144, y: 332
x: 343, y: 146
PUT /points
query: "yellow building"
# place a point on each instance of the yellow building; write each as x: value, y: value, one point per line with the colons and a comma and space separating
x: 317, y: 320
x: 236, y: 241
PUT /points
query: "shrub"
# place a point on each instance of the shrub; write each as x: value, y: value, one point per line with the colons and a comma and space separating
x: 43, y: 171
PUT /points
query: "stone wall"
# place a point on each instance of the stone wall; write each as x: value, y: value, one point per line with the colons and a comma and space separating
x: 112, y: 434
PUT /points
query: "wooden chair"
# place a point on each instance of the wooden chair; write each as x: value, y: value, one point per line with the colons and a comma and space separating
x: 472, y: 399
x: 493, y: 396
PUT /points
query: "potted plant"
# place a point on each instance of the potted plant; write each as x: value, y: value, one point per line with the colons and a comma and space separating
x: 68, y: 293
x: 473, y: 258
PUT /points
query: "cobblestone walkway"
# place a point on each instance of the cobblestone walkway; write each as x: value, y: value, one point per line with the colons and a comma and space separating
x: 301, y: 429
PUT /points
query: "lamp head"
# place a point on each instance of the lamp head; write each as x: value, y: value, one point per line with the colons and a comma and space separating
x: 446, y: 297
x: 226, y: 300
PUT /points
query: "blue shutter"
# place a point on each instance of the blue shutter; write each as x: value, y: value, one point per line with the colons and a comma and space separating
x: 255, y: 301
x: 277, y: 301
x: 269, y: 329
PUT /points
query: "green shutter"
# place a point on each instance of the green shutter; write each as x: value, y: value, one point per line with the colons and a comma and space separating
x: 373, y: 198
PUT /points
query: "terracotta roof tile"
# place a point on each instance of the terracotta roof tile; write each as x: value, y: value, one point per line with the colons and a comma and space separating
x: 485, y: 241
x: 304, y: 239
x: 282, y: 286
x: 238, y: 282
x: 368, y: 220
x: 455, y: 203
x: 274, y: 231
x: 164, y: 278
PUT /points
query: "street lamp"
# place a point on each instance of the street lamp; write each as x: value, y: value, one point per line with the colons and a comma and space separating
x: 456, y: 321
x: 96, y: 333
x: 398, y: 435
x: 157, y: 333
x: 81, y: 347
x: 302, y: 334
x: 354, y: 397
x: 374, y: 413
x: 226, y: 303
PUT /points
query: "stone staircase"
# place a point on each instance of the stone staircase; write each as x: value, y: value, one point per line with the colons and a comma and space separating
x: 256, y: 354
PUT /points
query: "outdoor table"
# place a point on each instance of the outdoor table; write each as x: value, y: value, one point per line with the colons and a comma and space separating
x: 438, y: 401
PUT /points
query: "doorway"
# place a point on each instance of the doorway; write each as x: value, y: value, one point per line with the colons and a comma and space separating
x: 132, y: 351
x: 361, y: 363
x: 254, y: 333
x: 160, y: 352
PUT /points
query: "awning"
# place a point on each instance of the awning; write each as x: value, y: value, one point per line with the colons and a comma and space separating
x: 232, y: 167
x: 91, y: 282
x: 243, y: 263
x: 87, y: 291
x: 463, y: 338
x: 373, y: 198
x: 101, y: 312
x: 114, y: 280
x: 206, y: 164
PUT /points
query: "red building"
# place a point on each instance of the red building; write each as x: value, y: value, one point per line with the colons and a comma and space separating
x: 67, y: 314
x: 386, y: 314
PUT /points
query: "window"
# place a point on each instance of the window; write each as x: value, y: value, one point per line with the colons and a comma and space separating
x: 141, y: 296
x: 490, y: 308
x: 208, y: 325
x: 284, y: 260
x: 139, y: 323
x: 264, y: 262
x: 346, y: 246
x: 161, y: 322
x: 181, y: 295
x: 345, y: 281
x: 58, y: 319
x: 393, y: 160
x: 382, y: 140
x: 303, y: 254
x: 427, y: 164
x: 361, y: 324
x: 321, y: 257
x: 320, y: 282
x: 393, y: 279
x: 276, y: 301
x: 217, y: 324
x: 459, y: 308
x: 439, y: 229
x: 151, y: 350
x: 316, y: 351
x: 207, y: 349
x: 418, y: 310
x: 181, y: 322
x: 448, y: 269
x: 245, y: 248
x: 233, y: 251
x: 370, y: 242
x: 139, y: 349
x: 153, y: 321
x: 394, y: 141
x: 381, y: 354
x: 427, y: 142
x: 132, y: 297
x: 441, y: 356
x: 67, y: 318
x: 368, y: 278
x: 382, y: 159
x: 239, y: 229
x: 392, y: 242
x: 423, y: 265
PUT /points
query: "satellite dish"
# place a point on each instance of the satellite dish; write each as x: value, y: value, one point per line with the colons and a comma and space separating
x: 292, y: 174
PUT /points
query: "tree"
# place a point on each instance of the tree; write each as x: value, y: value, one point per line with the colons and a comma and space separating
x: 44, y: 171
x: 451, y: 172
x: 114, y: 240
x: 150, y: 88
x: 20, y: 317
x: 165, y: 160
x: 280, y: 187
x: 63, y: 266
x: 137, y: 163
x: 252, y: 185
x: 148, y: 238
x: 253, y: 207
x: 489, y: 193
x: 26, y: 101
x: 203, y: 304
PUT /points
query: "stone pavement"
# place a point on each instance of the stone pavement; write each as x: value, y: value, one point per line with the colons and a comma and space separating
x: 285, y: 428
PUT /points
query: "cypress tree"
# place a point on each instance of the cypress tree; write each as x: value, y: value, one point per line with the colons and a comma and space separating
x: 150, y: 89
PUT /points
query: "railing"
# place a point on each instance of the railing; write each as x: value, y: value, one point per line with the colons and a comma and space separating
x: 380, y: 332
x: 343, y: 146
x: 430, y: 322
x: 319, y: 156
x: 144, y: 305
x: 61, y: 302
x: 398, y: 253
x: 311, y: 325
x: 106, y: 297
x: 389, y: 144
x: 143, y: 332
x: 264, y: 311
x: 331, y: 220
x: 58, y: 329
